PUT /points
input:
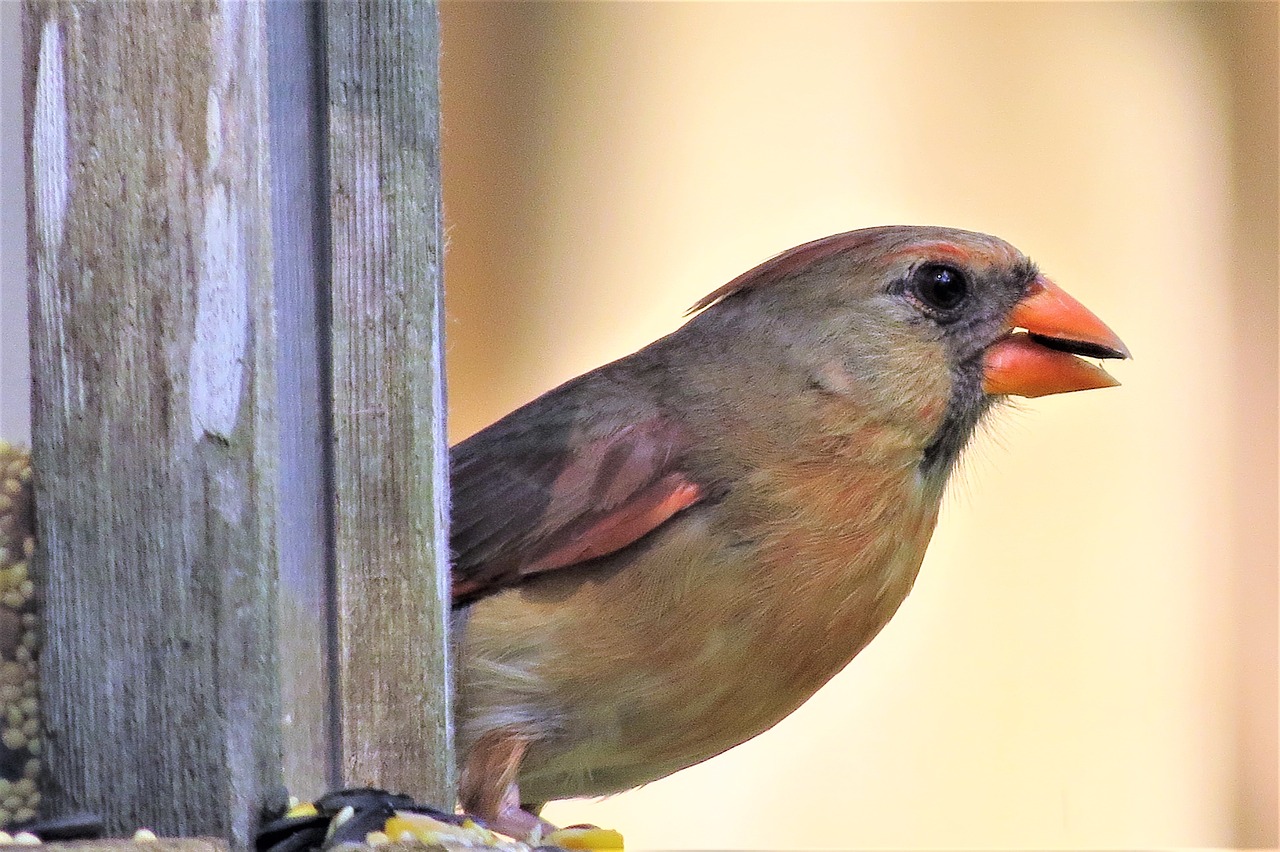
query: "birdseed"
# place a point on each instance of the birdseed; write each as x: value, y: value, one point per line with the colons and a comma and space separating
x: 19, y: 645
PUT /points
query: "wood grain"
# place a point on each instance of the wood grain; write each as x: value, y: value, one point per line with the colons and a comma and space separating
x: 300, y: 205
x: 153, y: 399
x: 390, y: 459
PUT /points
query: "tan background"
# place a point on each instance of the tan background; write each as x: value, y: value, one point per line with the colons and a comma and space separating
x: 1089, y: 657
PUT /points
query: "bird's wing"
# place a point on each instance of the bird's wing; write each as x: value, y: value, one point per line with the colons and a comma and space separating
x: 531, y: 495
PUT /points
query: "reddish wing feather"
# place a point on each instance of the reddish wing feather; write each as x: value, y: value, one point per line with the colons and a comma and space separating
x: 543, y: 497
x: 642, y: 513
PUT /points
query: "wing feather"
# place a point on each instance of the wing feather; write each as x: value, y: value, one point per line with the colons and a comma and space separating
x: 543, y: 489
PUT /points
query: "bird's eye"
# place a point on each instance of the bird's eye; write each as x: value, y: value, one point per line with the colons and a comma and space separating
x: 940, y: 287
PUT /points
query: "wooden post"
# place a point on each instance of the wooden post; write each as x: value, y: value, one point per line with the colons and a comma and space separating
x: 155, y: 429
x: 356, y: 179
x: 389, y: 453
x: 300, y: 201
x: 153, y: 421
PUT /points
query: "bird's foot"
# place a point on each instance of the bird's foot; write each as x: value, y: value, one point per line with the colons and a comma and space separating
x: 511, y: 818
x: 489, y: 791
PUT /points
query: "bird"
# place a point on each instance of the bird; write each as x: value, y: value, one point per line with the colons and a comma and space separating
x: 665, y: 556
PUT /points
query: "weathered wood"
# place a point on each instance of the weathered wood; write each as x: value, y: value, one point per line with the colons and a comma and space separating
x: 299, y: 199
x: 153, y: 413
x: 15, y: 370
x: 390, y: 457
x: 161, y: 844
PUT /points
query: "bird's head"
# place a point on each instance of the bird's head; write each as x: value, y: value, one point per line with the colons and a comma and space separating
x: 926, y: 326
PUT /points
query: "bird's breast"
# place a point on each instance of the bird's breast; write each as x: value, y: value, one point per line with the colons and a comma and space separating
x: 708, y: 632
x: 704, y: 633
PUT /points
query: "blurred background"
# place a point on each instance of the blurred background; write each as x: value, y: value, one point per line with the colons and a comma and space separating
x: 1089, y: 658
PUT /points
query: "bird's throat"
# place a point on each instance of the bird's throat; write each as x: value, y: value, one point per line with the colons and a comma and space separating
x: 966, y: 406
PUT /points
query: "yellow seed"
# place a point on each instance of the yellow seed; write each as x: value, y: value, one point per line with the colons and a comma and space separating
x: 334, y: 824
x: 598, y: 839
x: 5, y: 784
x: 13, y: 600
x: 28, y: 546
x: 30, y: 639
x: 29, y: 619
x: 22, y: 654
x: 24, y: 814
x: 30, y: 728
x: 6, y: 502
x: 24, y: 786
x: 12, y: 487
x: 12, y: 803
x: 29, y: 706
x: 31, y: 769
x: 13, y: 715
x: 25, y: 586
x: 9, y: 693
x: 34, y: 746
x: 14, y: 739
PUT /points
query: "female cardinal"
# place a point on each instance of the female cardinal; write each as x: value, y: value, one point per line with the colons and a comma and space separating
x: 662, y: 558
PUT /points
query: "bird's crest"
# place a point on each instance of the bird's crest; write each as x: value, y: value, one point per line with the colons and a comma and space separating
x: 796, y: 259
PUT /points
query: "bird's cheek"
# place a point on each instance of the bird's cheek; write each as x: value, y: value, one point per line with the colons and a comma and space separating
x: 833, y: 377
x: 923, y: 395
x: 914, y: 379
x: 931, y: 411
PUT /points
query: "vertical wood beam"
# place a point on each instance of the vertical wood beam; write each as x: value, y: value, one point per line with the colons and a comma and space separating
x: 153, y: 418
x: 390, y: 458
x: 300, y: 201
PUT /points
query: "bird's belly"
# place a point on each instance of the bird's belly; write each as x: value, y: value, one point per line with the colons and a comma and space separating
x: 659, y: 664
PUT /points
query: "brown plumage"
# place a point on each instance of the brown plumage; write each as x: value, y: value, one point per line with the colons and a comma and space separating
x: 665, y: 556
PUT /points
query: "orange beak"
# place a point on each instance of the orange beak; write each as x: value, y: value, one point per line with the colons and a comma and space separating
x: 1043, y: 360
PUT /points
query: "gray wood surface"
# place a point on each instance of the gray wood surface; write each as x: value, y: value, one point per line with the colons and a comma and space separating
x: 300, y: 202
x: 389, y: 453
x: 153, y: 413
